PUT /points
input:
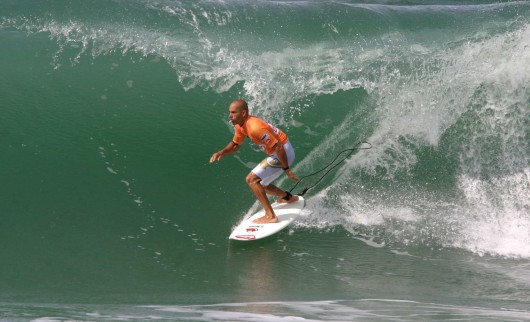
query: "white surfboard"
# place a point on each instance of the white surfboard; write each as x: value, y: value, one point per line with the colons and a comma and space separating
x: 286, y: 213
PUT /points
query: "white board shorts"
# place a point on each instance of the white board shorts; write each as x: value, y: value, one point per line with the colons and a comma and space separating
x: 271, y: 168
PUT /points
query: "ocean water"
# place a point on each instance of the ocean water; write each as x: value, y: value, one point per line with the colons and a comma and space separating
x: 111, y: 109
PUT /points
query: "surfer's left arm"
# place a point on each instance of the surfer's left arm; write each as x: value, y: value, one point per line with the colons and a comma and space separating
x: 280, y: 152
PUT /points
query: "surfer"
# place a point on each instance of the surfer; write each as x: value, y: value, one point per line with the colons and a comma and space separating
x: 273, y: 142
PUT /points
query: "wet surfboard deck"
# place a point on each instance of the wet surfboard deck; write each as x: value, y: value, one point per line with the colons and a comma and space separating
x: 286, y: 213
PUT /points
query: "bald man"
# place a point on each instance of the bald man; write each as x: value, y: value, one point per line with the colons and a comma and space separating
x: 273, y: 142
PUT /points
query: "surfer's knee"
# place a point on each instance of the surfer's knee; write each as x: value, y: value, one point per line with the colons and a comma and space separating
x: 252, y: 179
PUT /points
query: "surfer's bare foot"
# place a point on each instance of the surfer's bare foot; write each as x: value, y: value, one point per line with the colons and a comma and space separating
x: 266, y: 220
x: 292, y: 198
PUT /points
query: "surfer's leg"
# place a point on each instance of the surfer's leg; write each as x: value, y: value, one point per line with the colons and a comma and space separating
x: 254, y: 182
x: 274, y: 191
x: 286, y: 197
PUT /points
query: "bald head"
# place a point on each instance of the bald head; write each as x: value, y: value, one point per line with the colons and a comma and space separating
x: 240, y: 105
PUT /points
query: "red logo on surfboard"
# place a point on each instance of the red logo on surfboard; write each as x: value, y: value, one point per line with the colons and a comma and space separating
x: 246, y: 237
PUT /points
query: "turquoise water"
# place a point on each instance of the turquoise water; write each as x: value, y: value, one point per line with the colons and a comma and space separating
x: 112, y: 109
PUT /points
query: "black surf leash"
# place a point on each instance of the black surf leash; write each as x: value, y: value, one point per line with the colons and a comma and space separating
x: 350, y: 150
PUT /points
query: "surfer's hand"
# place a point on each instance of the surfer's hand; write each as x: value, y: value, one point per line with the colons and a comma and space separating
x: 216, y: 157
x: 291, y: 175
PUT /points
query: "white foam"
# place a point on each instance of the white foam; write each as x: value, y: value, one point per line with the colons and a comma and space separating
x: 367, y: 309
x: 496, y: 220
x: 109, y: 169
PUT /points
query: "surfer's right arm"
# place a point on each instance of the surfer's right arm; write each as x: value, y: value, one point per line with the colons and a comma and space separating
x: 231, y: 148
